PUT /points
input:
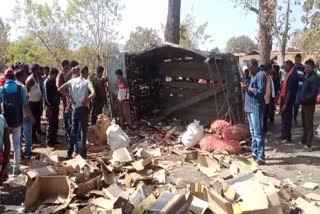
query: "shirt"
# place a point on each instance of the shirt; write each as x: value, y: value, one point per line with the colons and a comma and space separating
x: 300, y: 72
x: 78, y: 90
x: 254, y: 101
x: 292, y: 86
x: 3, y: 125
x: 11, y: 87
x: 123, y: 91
x: 310, y: 89
x: 51, y: 94
x: 98, y: 85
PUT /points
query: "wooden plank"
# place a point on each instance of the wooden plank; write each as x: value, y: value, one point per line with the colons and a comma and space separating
x: 188, y: 69
x: 188, y: 102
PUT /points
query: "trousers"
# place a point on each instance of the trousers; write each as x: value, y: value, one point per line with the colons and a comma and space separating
x: 36, y: 109
x: 79, y: 121
x: 307, y: 114
x: 256, y: 129
x: 27, y: 132
x: 52, y: 128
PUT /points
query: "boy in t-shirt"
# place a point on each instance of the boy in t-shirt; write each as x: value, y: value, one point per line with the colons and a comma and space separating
x: 123, y: 100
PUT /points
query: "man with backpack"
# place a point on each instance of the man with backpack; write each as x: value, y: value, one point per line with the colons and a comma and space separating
x: 14, y: 99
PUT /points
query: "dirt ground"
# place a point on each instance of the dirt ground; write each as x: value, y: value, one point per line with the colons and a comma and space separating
x: 283, y: 160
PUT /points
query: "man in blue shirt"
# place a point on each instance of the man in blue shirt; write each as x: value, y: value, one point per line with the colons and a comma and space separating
x: 14, y: 99
x: 254, y: 107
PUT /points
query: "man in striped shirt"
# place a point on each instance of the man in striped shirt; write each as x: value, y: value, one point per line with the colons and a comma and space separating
x: 301, y: 75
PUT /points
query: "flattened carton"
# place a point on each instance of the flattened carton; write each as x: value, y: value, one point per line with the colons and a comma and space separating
x: 48, y: 190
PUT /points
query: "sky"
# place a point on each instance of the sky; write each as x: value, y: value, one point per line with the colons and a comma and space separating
x: 224, y: 20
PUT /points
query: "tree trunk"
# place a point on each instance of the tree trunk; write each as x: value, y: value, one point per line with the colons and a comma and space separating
x: 267, y: 13
x: 172, y: 31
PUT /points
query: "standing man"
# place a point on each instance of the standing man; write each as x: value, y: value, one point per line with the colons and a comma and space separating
x: 309, y: 94
x: 269, y: 95
x: 254, y: 107
x: 276, y: 79
x: 63, y: 77
x: 28, y: 119
x: 14, y: 99
x: 299, y: 67
x: 100, y: 99
x: 52, y: 101
x: 35, y: 99
x: 79, y: 89
x: 287, y: 100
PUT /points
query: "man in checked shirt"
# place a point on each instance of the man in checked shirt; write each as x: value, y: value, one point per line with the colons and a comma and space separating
x: 254, y: 107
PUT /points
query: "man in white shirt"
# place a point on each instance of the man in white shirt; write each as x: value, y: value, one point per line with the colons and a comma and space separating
x: 77, y: 89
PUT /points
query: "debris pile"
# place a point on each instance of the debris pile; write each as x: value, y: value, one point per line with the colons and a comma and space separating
x: 156, y: 174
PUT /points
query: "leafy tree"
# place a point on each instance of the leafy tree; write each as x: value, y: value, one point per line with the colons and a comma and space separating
x: 4, y: 43
x: 172, y: 29
x: 28, y: 50
x: 142, y: 38
x: 266, y: 13
x: 46, y: 23
x: 94, y: 23
x: 191, y: 34
x: 241, y: 44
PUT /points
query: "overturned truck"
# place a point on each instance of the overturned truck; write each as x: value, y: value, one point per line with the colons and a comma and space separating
x: 181, y: 83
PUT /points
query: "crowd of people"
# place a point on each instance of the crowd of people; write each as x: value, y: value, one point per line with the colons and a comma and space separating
x: 28, y: 92
x: 264, y: 87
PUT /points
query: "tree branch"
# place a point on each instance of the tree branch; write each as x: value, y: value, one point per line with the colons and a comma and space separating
x: 253, y: 9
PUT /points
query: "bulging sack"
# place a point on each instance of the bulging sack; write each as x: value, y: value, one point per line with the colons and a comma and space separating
x: 219, y: 126
x: 193, y: 135
x: 102, y: 124
x: 237, y: 132
x: 117, y: 138
x: 213, y: 143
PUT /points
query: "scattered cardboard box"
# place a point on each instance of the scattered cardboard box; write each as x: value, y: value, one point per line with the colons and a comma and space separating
x: 313, y: 196
x: 123, y: 203
x: 121, y: 155
x: 310, y: 185
x: 160, y: 176
x: 43, y: 171
x: 76, y: 163
x: 113, y: 191
x: 170, y: 203
x: 252, y: 200
x: 142, y: 163
x: 49, y: 187
x: 93, y: 184
x: 132, y: 179
x: 198, y: 206
x: 307, y: 207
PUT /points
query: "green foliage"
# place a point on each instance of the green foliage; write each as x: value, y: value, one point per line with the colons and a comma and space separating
x: 142, y: 38
x: 191, y: 34
x: 4, y: 43
x: 46, y: 23
x: 29, y: 51
x: 241, y: 44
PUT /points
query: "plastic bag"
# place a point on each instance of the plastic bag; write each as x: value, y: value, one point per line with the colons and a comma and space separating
x: 237, y: 132
x: 102, y: 124
x: 193, y: 135
x: 117, y: 138
x: 218, y: 126
x: 213, y: 143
